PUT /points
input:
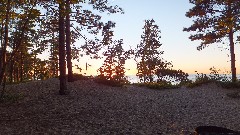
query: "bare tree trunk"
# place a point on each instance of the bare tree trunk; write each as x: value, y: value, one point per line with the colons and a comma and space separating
x: 11, y: 72
x: 21, y: 67
x: 233, y: 67
x: 62, y: 64
x: 53, y: 61
x: 34, y: 67
x: 17, y: 74
x: 3, y: 55
x: 68, y: 42
x: 56, y: 62
x: 2, y: 31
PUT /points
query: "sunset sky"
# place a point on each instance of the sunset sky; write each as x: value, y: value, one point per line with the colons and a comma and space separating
x: 170, y: 17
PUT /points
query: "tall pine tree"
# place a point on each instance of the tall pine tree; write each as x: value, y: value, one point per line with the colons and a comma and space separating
x: 214, y: 21
x: 62, y: 64
x: 148, y: 53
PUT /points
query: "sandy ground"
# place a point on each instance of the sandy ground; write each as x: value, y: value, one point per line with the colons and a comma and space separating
x: 91, y: 108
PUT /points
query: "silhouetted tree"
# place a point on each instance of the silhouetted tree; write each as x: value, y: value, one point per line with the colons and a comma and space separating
x: 148, y: 53
x: 68, y: 42
x: 113, y: 67
x: 29, y: 28
x: 215, y: 20
x: 18, y: 25
x: 62, y: 64
x: 4, y: 47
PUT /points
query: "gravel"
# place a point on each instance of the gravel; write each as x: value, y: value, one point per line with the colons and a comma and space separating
x: 91, y: 108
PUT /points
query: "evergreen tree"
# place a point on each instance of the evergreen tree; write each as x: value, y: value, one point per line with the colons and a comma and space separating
x: 113, y: 67
x: 68, y: 42
x: 17, y: 22
x: 29, y: 28
x: 62, y: 64
x: 214, y: 21
x: 148, y: 53
x: 4, y: 47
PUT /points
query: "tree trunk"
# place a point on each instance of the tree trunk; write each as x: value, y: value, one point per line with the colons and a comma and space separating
x: 4, y: 47
x: 2, y: 31
x: 56, y: 61
x: 21, y: 67
x: 68, y: 42
x: 17, y: 75
x: 233, y: 67
x: 53, y: 61
x: 11, y: 71
x: 62, y: 64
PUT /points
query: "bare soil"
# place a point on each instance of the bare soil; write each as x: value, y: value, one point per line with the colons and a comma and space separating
x: 92, y: 108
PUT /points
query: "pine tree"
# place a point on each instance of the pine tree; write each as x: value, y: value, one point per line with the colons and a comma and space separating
x: 62, y: 64
x: 214, y: 21
x: 113, y: 67
x: 4, y: 49
x: 68, y: 42
x: 148, y: 53
x: 17, y: 25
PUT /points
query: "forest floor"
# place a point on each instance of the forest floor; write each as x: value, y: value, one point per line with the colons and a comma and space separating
x: 92, y: 108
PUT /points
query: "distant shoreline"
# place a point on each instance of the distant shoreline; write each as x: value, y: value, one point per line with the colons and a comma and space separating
x: 134, y: 78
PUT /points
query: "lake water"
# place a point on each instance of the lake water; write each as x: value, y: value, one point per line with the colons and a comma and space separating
x: 135, y: 79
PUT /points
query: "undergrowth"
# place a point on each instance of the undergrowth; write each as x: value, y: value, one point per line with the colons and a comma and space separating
x: 111, y: 82
x: 214, y: 77
x: 200, y: 79
x: 229, y: 84
x: 10, y: 98
x: 77, y: 77
x: 158, y: 85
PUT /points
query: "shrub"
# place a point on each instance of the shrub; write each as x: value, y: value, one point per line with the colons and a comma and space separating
x: 111, y: 82
x: 158, y: 85
x: 8, y: 97
x: 215, y: 76
x: 200, y: 79
x: 221, y: 80
x: 77, y: 77
x: 229, y: 84
x: 171, y: 75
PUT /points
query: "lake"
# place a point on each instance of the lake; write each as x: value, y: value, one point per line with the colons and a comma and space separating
x: 135, y: 79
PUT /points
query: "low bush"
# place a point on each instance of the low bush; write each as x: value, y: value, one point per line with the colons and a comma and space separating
x: 229, y: 84
x: 221, y: 80
x: 77, y: 77
x: 13, y: 83
x: 200, y: 79
x: 215, y: 77
x: 111, y: 82
x: 8, y: 97
x: 158, y: 85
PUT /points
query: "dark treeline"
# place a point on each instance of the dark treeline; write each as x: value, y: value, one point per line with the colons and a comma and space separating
x: 29, y: 28
x: 32, y: 27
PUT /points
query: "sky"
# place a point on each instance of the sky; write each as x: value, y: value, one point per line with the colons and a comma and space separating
x: 169, y: 15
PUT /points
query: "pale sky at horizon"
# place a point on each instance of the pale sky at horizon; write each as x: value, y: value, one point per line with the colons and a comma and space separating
x: 170, y: 17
